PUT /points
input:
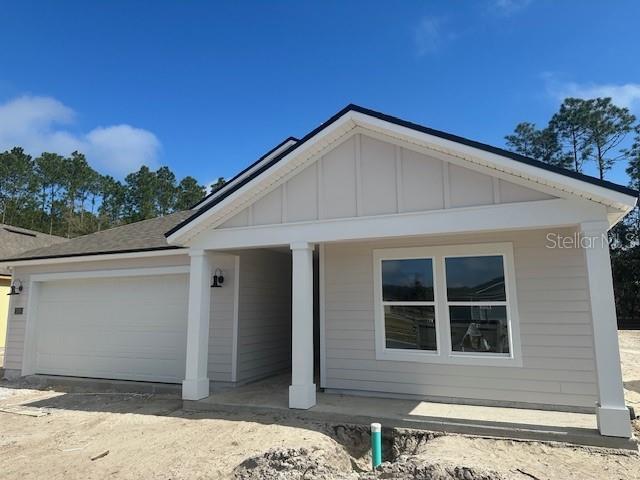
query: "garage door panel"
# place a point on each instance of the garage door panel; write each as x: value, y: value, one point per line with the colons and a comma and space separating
x: 125, y: 368
x: 131, y: 328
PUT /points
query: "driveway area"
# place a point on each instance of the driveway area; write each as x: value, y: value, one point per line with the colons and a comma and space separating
x: 63, y: 433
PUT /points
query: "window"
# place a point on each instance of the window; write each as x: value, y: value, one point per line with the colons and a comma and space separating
x: 451, y: 304
x: 477, y: 299
x: 409, y: 307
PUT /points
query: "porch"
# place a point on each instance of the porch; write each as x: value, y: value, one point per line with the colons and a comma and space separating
x: 271, y: 395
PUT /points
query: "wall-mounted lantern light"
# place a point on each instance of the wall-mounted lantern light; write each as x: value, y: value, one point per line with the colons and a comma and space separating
x: 16, y: 288
x: 218, y: 279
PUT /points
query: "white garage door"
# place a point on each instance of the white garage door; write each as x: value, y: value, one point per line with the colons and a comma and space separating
x: 130, y: 328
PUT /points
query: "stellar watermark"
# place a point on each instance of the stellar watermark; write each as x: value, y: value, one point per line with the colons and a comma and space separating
x: 576, y: 240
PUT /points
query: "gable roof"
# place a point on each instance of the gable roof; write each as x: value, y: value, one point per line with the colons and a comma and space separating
x: 235, y: 185
x: 15, y: 240
x: 146, y: 235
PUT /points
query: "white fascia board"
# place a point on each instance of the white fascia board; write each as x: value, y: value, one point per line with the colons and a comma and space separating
x: 587, y: 190
x: 95, y: 258
x: 115, y: 273
x: 266, y: 178
x: 227, y: 186
x: 552, y: 213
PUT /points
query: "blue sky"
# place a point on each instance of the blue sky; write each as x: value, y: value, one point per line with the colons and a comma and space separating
x: 207, y: 87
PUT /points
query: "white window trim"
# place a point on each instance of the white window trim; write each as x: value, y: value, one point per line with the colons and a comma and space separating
x: 444, y: 353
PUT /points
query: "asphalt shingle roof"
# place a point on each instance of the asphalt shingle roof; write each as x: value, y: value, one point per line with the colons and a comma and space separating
x: 15, y: 240
x: 133, y: 237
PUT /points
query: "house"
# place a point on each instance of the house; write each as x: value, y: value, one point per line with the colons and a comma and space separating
x: 15, y: 240
x: 373, y: 256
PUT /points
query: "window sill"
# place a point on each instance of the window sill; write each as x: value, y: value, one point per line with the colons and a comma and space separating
x: 489, y: 360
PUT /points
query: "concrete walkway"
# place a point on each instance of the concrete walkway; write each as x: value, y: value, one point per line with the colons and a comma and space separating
x: 524, y: 424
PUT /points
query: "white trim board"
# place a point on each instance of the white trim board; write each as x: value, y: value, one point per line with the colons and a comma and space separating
x: 487, y: 218
x: 322, y: 314
x: 118, y: 272
x: 227, y: 186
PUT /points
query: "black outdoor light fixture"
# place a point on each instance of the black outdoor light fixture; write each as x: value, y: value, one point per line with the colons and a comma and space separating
x: 16, y: 288
x: 218, y: 279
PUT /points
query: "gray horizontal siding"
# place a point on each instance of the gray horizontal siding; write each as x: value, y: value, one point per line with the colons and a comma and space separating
x: 220, y: 357
x: 555, y: 322
x: 264, y: 329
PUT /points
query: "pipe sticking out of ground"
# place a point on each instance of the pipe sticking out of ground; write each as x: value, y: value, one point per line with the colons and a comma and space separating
x: 376, y: 445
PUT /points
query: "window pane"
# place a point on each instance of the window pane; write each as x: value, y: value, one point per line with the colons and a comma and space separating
x: 479, y: 329
x: 412, y: 328
x: 475, y: 279
x: 407, y: 280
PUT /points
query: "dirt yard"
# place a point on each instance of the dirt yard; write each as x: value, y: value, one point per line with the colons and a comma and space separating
x: 63, y: 434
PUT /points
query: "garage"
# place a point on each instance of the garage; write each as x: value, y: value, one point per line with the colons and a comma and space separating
x: 127, y: 328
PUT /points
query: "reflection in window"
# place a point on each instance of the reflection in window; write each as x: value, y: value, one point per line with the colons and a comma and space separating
x: 481, y: 329
x: 407, y: 280
x: 479, y: 279
x: 409, y: 309
x: 477, y: 299
x: 410, y: 327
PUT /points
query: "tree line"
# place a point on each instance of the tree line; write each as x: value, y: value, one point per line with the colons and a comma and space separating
x: 600, y: 133
x: 64, y: 195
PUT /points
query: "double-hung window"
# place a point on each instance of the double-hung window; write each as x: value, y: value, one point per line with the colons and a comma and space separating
x: 408, y: 304
x: 451, y: 304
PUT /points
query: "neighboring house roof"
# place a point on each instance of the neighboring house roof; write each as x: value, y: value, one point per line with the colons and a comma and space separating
x: 140, y: 236
x: 240, y: 181
x: 16, y: 240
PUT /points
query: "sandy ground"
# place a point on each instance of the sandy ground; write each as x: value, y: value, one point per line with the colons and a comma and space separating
x: 151, y: 437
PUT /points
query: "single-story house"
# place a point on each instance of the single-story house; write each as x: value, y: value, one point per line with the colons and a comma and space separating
x: 15, y: 240
x: 373, y: 256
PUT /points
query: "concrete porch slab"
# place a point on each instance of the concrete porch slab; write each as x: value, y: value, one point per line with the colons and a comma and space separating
x: 270, y: 395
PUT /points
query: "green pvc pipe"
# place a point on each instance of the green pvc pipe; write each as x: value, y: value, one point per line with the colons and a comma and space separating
x: 376, y: 445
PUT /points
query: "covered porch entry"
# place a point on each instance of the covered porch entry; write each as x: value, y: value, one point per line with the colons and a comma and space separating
x: 259, y: 320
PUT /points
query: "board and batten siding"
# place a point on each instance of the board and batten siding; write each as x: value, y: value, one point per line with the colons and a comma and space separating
x: 365, y: 176
x: 264, y: 315
x: 555, y: 322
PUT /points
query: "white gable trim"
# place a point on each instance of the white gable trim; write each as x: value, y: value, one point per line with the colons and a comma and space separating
x: 265, y: 180
x: 557, y: 212
x: 498, y: 162
x: 347, y: 125
x: 288, y: 143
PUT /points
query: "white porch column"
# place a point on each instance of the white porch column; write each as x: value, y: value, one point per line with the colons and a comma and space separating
x: 613, y: 415
x: 302, y: 392
x: 196, y: 384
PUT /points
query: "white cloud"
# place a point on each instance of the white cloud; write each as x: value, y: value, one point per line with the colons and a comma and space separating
x: 624, y: 95
x: 123, y: 147
x: 429, y: 35
x: 41, y: 124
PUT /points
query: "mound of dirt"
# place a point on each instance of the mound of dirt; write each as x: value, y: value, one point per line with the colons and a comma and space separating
x: 300, y: 463
x: 296, y: 463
